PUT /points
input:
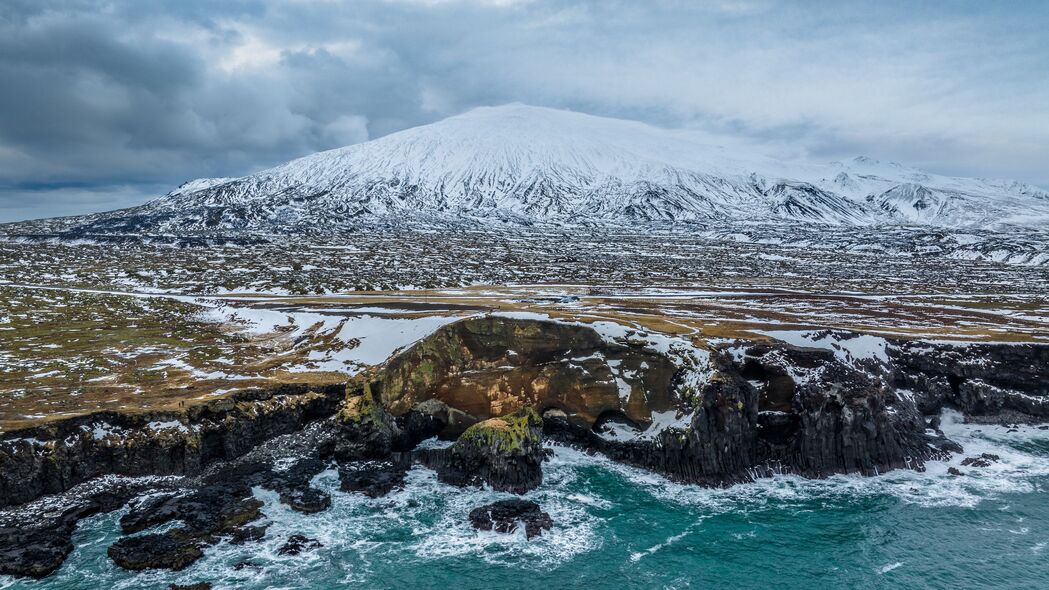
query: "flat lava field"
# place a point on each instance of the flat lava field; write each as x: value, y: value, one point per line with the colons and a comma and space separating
x: 132, y: 325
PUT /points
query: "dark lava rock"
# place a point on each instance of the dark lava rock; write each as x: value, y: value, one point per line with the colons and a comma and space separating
x: 198, y: 586
x: 984, y: 460
x: 297, y: 544
x: 506, y: 453
x: 367, y: 430
x: 374, y: 479
x: 36, y: 551
x: 35, y: 544
x: 954, y: 471
x: 213, y: 509
x: 163, y: 550
x: 68, y: 454
x: 990, y: 383
x: 306, y: 500
x: 52, y: 458
x: 246, y: 534
x: 946, y: 446
x: 208, y: 513
x: 290, y: 481
x: 505, y: 516
x: 777, y: 409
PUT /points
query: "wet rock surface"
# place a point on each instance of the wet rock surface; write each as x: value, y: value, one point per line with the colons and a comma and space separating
x: 297, y: 544
x: 775, y: 408
x: 36, y: 540
x: 506, y: 516
x: 984, y: 460
x: 216, y: 511
x: 990, y: 383
x: 374, y: 478
x: 166, y: 551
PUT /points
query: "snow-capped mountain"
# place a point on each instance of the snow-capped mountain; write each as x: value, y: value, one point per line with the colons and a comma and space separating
x: 523, y: 164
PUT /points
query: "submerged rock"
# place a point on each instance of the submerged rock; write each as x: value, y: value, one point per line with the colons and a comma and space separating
x: 505, y: 453
x: 155, y: 551
x: 984, y: 460
x: 505, y: 516
x: 297, y: 544
x: 374, y: 478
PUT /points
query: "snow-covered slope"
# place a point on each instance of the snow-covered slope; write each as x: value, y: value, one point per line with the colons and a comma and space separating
x: 521, y: 164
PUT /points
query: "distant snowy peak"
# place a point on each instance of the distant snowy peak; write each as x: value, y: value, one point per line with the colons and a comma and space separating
x: 199, y: 184
x: 529, y: 164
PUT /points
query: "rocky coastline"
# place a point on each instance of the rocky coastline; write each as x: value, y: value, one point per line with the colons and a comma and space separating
x: 500, y: 388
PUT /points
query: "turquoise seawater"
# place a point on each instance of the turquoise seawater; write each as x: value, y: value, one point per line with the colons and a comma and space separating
x: 619, y: 527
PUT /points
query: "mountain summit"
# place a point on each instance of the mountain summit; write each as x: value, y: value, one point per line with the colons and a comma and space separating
x: 527, y: 164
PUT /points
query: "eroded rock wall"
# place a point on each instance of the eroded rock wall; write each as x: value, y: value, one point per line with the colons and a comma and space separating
x: 985, y: 381
x: 492, y: 366
x: 54, y: 457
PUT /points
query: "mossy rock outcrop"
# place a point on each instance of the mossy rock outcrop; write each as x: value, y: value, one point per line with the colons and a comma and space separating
x: 367, y: 430
x: 505, y: 453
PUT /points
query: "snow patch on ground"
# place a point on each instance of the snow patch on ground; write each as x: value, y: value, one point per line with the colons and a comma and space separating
x: 848, y: 347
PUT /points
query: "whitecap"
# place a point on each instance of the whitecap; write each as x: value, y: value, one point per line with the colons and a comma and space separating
x: 889, y: 567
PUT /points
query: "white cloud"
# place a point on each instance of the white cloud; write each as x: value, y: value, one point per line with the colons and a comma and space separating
x: 155, y: 94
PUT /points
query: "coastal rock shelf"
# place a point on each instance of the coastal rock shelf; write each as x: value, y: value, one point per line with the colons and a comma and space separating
x: 491, y: 390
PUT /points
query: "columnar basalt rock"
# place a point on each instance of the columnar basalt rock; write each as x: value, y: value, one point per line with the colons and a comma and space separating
x: 988, y: 382
x: 777, y: 408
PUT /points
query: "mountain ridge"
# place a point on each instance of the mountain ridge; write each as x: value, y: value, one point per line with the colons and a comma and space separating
x: 524, y: 164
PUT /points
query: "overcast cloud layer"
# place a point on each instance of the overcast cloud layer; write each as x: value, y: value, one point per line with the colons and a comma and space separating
x: 106, y: 104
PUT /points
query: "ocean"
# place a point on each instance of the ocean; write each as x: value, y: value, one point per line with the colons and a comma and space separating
x: 621, y: 527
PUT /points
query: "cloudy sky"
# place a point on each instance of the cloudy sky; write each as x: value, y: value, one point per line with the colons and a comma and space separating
x: 105, y: 104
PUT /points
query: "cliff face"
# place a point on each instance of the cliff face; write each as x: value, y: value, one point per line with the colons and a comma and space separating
x: 778, y: 409
x: 492, y: 366
x: 53, y: 458
x: 757, y: 409
x: 987, y: 382
x: 753, y: 411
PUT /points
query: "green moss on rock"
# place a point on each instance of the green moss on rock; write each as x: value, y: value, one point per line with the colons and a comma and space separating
x: 362, y: 408
x: 509, y: 434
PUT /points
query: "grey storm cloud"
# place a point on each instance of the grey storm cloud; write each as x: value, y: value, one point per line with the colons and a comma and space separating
x: 107, y: 103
